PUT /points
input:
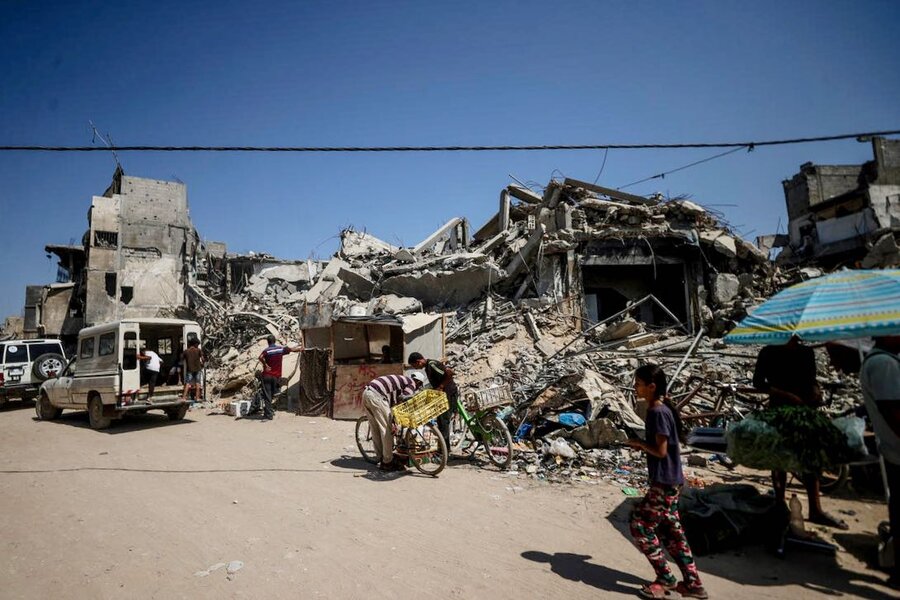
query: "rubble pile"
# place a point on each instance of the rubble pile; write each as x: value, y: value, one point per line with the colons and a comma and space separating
x: 515, y: 298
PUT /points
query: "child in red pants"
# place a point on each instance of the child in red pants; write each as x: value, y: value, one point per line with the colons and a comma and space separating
x: 655, y: 519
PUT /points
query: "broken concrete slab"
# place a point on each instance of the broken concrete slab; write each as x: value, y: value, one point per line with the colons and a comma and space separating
x: 725, y: 288
x: 355, y: 284
x: 597, y: 434
x: 359, y: 244
x: 288, y: 273
x: 622, y: 329
x: 395, y: 305
x: 462, y: 278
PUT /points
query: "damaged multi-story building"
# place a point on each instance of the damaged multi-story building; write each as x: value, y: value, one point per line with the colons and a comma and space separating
x: 845, y: 215
x: 137, y: 257
x: 589, y: 249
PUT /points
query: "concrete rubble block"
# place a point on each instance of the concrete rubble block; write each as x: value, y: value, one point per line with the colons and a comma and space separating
x: 726, y: 245
x: 463, y: 278
x: 621, y: 329
x: 545, y: 348
x: 324, y: 287
x: 884, y: 253
x: 506, y: 333
x: 640, y: 339
x: 598, y: 433
x: 747, y: 250
x: 746, y: 281
x: 725, y: 288
x: 258, y: 286
x: 356, y: 284
x: 720, y: 241
x: 359, y: 244
x: 288, y: 273
x: 396, y: 305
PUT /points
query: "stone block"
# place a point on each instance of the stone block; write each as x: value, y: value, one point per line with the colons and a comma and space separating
x: 725, y: 288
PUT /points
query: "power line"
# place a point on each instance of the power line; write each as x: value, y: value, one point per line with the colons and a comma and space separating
x: 319, y: 149
x: 688, y: 166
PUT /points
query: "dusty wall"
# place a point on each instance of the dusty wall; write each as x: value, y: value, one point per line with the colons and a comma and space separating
x: 55, y: 309
x: 139, y: 243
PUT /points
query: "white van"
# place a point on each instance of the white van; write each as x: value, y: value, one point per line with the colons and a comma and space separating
x: 104, y: 376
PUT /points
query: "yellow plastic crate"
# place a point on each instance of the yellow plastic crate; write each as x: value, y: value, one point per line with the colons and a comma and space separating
x: 421, y: 408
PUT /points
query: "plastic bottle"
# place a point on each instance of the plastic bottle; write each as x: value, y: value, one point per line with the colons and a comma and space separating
x: 796, y: 515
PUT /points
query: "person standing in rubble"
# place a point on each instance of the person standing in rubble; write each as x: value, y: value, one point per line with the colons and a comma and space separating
x: 655, y: 519
x: 192, y: 360
x: 788, y: 374
x: 440, y: 377
x: 880, y: 382
x: 378, y: 397
x: 271, y: 359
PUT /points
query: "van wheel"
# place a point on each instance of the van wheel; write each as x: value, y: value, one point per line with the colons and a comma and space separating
x: 46, y: 411
x: 95, y: 414
x: 48, y: 365
x: 177, y: 414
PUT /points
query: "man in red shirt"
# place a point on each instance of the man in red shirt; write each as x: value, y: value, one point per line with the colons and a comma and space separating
x: 271, y: 359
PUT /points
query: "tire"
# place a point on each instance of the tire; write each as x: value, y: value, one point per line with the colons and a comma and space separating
x: 364, y: 440
x: 46, y: 365
x: 177, y: 414
x: 832, y: 480
x: 497, y: 442
x: 45, y: 411
x: 95, y: 414
x: 462, y: 440
x: 427, y: 449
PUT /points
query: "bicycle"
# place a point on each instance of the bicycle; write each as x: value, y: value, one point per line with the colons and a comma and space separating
x: 483, y: 428
x: 416, y: 437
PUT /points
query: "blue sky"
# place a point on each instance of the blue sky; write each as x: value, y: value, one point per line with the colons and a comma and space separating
x: 420, y: 73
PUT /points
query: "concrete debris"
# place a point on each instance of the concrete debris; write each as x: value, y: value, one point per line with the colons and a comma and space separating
x: 560, y: 295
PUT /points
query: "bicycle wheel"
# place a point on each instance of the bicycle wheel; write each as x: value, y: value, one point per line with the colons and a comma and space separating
x: 427, y: 449
x: 497, y: 441
x: 364, y: 440
x: 462, y: 440
x: 833, y: 479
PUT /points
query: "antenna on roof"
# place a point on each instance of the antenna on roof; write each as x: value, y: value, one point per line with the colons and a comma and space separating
x: 107, y: 141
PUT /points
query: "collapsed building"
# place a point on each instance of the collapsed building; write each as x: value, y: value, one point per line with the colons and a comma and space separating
x: 844, y: 215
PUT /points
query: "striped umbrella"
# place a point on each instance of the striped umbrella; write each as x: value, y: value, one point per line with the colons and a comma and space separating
x: 842, y: 305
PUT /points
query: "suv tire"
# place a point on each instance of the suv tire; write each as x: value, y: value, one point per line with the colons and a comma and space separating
x: 46, y: 365
x: 95, y: 414
x: 46, y: 411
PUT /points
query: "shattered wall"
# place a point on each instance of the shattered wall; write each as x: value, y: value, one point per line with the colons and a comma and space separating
x: 140, y: 249
x: 839, y: 214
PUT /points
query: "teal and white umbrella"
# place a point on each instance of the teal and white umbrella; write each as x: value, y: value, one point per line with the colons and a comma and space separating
x: 842, y: 305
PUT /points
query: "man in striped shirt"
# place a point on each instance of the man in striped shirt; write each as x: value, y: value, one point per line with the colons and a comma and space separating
x: 379, y: 396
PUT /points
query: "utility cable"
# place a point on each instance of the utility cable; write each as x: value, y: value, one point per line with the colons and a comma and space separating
x: 688, y: 166
x: 780, y: 142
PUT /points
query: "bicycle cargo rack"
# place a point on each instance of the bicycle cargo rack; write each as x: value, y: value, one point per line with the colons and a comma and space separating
x: 498, y: 395
x: 421, y: 408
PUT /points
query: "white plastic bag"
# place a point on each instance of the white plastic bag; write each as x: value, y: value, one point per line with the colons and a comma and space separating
x: 854, y: 428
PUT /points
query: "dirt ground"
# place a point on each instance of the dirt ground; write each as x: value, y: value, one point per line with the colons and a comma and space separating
x: 153, y: 509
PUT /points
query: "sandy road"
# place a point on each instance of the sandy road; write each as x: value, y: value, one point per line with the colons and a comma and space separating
x: 144, y: 510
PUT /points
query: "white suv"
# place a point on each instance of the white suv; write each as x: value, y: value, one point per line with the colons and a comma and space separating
x: 25, y: 364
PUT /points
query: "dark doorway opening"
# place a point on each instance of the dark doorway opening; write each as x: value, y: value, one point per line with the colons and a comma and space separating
x: 608, y: 289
